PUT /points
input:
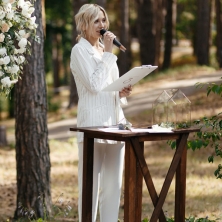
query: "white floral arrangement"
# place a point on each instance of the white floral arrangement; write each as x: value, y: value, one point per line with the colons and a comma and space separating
x: 16, y: 25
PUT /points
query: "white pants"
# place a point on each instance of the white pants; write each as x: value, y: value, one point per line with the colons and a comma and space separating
x: 107, y: 180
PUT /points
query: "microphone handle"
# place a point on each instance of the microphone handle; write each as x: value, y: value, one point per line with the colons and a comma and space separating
x: 115, y: 42
x: 119, y: 45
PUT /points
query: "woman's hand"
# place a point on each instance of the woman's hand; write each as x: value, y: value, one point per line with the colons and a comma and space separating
x: 126, y: 91
x: 108, y: 41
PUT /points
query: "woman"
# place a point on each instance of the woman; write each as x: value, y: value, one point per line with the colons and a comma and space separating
x: 94, y: 67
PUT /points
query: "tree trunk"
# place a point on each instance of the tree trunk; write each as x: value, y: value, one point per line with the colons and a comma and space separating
x: 101, y: 3
x: 170, y: 32
x: 57, y: 57
x: 124, y: 58
x: 218, y: 6
x: 150, y: 20
x: 203, y: 31
x: 32, y: 149
x: 159, y: 18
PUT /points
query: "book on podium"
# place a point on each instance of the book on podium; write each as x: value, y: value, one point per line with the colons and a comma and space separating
x: 130, y: 78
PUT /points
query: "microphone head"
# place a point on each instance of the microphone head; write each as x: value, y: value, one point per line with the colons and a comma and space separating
x: 102, y: 31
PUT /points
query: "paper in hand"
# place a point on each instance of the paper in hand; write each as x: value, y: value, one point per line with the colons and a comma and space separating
x: 130, y: 78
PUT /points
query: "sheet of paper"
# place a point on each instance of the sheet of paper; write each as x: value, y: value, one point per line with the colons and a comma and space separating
x: 130, y: 78
x: 136, y: 130
x: 114, y: 129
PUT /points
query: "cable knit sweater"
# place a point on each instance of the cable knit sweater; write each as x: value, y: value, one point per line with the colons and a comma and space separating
x: 92, y: 72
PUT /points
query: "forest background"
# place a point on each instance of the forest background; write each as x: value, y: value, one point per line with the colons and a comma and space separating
x: 156, y: 26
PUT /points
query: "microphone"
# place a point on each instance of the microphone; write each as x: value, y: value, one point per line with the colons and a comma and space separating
x: 115, y: 42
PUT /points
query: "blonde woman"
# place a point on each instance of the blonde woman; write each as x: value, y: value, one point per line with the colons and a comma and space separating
x: 94, y: 67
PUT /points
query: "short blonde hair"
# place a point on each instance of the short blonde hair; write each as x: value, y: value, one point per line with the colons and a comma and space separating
x: 86, y: 16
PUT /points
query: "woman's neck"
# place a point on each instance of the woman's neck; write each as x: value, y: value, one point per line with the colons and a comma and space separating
x: 95, y: 43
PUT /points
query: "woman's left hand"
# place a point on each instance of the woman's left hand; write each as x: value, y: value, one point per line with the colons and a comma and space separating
x: 126, y: 91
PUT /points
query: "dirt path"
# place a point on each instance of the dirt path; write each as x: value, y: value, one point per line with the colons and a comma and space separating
x: 140, y: 100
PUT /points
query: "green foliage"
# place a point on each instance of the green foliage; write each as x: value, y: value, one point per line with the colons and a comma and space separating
x: 210, y: 135
x: 211, y: 87
x: 211, y: 131
x: 58, y: 31
x: 52, y: 106
x: 186, y: 19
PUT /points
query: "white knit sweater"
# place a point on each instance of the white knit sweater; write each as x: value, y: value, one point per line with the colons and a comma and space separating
x: 92, y: 72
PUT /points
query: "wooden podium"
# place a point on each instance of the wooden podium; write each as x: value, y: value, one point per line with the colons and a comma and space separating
x: 135, y: 170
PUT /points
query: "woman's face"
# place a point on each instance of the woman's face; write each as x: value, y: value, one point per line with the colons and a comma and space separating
x: 98, y: 24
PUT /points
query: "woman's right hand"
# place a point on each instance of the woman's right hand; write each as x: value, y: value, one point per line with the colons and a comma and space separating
x: 108, y: 38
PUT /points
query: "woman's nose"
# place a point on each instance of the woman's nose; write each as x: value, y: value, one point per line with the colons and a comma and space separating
x: 101, y: 24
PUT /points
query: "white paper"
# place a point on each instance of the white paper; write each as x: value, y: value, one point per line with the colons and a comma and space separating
x: 113, y: 130
x: 136, y: 130
x: 130, y: 78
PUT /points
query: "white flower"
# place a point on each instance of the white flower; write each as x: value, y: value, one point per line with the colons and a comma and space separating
x: 10, y: 15
x: 6, y: 82
x: 21, y: 50
x: 2, y: 13
x: 3, y: 51
x: 32, y: 20
x: 21, y: 59
x: 15, y: 51
x: 6, y: 60
x: 16, y: 25
x: 31, y: 10
x: 2, y: 37
x: 27, y: 11
x: 23, y: 34
x: 1, y: 61
x: 17, y: 18
x: 13, y: 69
x: 32, y: 23
x: 8, y: 7
x: 21, y: 3
x: 1, y: 73
x: 22, y: 43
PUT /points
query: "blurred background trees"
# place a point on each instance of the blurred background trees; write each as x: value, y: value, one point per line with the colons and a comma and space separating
x: 155, y: 25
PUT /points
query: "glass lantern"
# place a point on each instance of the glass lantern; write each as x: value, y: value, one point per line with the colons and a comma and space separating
x: 172, y: 109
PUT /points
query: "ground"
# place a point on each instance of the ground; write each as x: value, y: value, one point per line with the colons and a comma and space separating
x: 203, y: 196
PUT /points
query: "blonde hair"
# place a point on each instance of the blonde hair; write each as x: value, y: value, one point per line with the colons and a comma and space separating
x: 86, y: 16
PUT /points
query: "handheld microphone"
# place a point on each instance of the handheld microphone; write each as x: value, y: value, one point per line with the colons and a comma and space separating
x: 115, y: 42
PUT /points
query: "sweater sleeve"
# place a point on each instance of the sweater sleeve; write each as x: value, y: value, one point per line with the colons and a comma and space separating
x: 83, y: 66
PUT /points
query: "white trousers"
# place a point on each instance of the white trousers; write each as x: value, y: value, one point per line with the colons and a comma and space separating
x: 107, y: 180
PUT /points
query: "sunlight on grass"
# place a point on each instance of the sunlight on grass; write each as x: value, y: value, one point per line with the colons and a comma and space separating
x: 203, y: 197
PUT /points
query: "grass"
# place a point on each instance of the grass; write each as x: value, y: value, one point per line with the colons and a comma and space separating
x: 203, y: 197
x: 203, y: 190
